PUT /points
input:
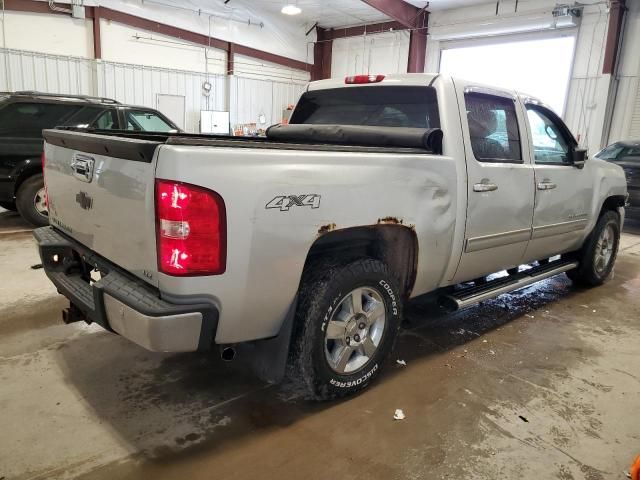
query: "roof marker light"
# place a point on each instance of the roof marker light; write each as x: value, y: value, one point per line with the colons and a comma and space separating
x: 354, y: 79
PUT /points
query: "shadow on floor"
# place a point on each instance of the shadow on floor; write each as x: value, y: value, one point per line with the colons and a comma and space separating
x: 11, y: 221
x: 169, y: 406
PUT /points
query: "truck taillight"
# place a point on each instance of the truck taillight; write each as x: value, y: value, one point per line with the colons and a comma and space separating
x: 191, y: 230
x: 363, y: 79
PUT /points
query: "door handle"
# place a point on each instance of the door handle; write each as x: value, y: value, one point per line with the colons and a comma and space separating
x: 546, y: 185
x: 485, y: 187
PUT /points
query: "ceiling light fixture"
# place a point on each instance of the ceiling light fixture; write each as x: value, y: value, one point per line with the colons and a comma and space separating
x: 291, y: 9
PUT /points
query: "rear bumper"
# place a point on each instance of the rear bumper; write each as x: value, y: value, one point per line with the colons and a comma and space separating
x: 121, y: 303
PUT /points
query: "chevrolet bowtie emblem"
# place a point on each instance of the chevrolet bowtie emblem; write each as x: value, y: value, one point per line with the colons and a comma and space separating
x: 84, y: 200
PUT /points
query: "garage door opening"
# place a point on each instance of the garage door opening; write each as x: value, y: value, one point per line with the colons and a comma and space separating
x: 539, y: 67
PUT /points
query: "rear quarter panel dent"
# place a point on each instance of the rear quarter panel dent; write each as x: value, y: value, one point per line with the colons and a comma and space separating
x: 267, y: 248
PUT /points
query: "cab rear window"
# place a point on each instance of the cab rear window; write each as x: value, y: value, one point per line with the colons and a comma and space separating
x: 380, y: 106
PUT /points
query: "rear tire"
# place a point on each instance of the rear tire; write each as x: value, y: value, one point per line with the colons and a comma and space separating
x: 347, y: 322
x: 8, y: 206
x: 598, y: 255
x: 30, y: 201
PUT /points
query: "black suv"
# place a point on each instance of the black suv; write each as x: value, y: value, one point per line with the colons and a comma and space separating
x: 23, y: 116
x: 627, y: 155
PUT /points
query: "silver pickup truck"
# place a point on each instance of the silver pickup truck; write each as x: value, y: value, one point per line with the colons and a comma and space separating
x: 298, y: 251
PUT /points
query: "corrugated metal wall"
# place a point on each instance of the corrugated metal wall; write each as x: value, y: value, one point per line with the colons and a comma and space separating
x: 140, y: 85
x: 21, y: 70
x: 256, y: 97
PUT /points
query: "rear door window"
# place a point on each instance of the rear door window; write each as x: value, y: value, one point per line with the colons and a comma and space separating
x: 493, y: 128
x: 28, y: 119
x: 108, y: 120
x: 381, y: 106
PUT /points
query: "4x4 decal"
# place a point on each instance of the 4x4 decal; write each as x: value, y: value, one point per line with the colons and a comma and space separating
x: 285, y: 202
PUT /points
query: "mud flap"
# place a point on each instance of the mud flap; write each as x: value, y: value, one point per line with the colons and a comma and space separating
x: 268, y: 358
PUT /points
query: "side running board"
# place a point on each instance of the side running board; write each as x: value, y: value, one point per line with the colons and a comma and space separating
x: 471, y: 295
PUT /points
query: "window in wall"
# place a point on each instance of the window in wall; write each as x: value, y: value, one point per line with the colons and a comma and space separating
x: 538, y: 67
x: 493, y: 128
x: 549, y: 143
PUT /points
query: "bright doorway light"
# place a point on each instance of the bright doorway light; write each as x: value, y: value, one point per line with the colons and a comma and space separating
x: 536, y: 67
x: 291, y: 9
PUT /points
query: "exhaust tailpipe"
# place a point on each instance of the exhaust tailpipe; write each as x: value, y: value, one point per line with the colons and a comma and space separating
x: 228, y: 354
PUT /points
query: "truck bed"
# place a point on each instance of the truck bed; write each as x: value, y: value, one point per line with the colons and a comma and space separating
x: 139, y: 146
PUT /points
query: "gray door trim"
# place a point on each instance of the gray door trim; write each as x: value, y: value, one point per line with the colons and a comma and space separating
x: 497, y: 240
x: 559, y: 228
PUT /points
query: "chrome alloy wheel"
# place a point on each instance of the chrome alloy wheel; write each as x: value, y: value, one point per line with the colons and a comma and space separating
x: 40, y: 202
x: 604, y: 249
x: 354, y: 331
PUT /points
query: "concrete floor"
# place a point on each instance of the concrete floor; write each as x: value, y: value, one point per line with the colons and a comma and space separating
x: 540, y: 384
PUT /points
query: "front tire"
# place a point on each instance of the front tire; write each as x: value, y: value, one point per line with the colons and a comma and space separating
x: 31, y: 201
x: 598, y: 255
x: 347, y: 322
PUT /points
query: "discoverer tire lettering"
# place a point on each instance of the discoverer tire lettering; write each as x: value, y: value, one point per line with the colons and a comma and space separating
x: 323, y: 288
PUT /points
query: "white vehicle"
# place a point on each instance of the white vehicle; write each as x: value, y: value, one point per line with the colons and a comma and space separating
x: 303, y: 247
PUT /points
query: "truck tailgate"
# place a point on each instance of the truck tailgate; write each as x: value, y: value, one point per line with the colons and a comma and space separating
x: 101, y: 193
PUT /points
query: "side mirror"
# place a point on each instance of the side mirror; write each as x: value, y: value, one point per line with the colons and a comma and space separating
x: 578, y: 156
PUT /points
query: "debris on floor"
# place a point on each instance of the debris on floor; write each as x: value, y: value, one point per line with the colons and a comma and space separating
x: 401, y: 362
x: 634, y: 471
x: 37, y: 266
x: 398, y: 415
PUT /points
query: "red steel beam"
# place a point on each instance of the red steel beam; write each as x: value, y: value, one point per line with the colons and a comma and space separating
x: 322, y: 51
x: 97, y: 42
x: 418, y: 44
x: 399, y: 10
x: 413, y: 18
x: 614, y: 31
x: 370, y: 29
x: 161, y: 28
x: 31, y: 6
x: 230, y: 59
x: 272, y: 57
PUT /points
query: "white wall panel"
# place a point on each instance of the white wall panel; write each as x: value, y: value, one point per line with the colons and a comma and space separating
x: 588, y: 90
x: 21, y: 70
x: 279, y: 34
x: 625, y: 122
x: 252, y: 97
x: 55, y: 34
x: 252, y: 68
x: 140, y: 85
x: 589, y: 87
x: 124, y: 44
x: 379, y: 53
